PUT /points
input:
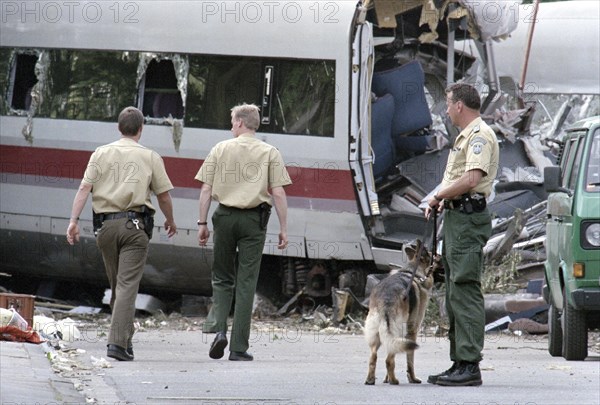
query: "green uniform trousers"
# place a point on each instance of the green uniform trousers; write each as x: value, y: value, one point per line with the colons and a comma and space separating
x: 465, y: 235
x: 124, y: 250
x: 239, y: 242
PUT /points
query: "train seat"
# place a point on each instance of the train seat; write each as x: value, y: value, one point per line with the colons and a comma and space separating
x: 406, y: 84
x: 382, y: 114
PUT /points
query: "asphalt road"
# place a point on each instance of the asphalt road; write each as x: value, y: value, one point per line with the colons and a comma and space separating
x: 325, y: 367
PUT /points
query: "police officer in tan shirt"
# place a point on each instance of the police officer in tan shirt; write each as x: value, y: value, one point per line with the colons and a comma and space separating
x: 121, y: 176
x: 238, y: 173
x: 468, y: 178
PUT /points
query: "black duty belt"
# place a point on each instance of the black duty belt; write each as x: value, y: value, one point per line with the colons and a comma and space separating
x: 467, y: 203
x: 453, y: 204
x: 257, y: 208
x: 119, y: 215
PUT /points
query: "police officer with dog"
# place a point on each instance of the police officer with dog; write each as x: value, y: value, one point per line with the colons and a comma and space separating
x: 468, y: 180
x: 121, y: 176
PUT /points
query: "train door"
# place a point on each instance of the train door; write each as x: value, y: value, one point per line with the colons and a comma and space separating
x: 361, y: 154
x: 373, y: 149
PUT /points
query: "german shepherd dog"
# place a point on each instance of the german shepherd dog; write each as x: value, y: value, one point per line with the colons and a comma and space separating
x: 394, y: 308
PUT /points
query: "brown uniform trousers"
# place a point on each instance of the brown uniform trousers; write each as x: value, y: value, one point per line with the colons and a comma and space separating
x: 124, y: 249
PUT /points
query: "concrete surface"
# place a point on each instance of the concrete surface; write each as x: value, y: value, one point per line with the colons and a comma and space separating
x: 296, y: 367
x: 26, y: 377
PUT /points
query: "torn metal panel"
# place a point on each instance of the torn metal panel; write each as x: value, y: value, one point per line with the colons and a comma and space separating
x: 143, y: 302
x: 535, y: 151
x: 386, y: 10
x: 491, y: 19
x: 430, y: 16
x: 41, y: 70
x: 512, y: 122
x: 486, y: 19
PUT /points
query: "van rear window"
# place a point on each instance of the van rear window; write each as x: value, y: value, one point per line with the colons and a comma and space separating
x: 592, y: 173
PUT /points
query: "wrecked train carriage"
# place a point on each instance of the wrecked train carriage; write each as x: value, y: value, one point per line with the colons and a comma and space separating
x: 65, y: 81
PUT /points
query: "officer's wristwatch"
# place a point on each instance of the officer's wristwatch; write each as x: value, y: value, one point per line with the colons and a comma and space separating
x: 202, y: 223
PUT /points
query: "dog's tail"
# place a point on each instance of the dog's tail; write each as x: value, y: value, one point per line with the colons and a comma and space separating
x: 392, y: 336
x: 400, y: 345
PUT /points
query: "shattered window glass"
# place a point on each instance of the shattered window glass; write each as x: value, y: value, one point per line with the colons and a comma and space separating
x: 88, y: 85
x: 5, y: 55
x: 295, y: 96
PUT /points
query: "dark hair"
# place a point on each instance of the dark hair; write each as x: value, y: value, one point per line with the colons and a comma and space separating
x: 130, y: 121
x: 466, y: 93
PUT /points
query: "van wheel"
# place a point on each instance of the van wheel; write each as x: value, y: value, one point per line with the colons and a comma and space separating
x: 555, y: 338
x: 575, y: 338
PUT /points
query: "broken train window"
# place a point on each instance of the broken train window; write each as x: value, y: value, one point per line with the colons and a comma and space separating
x: 88, y: 85
x: 5, y: 55
x: 20, y: 80
x: 162, y: 87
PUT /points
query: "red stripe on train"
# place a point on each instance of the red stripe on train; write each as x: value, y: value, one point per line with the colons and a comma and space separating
x: 49, y: 164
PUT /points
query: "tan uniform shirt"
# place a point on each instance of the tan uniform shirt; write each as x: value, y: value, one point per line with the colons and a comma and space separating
x: 242, y: 170
x: 476, y: 147
x: 123, y: 174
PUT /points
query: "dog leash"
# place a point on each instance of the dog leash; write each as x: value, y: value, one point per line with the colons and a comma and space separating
x: 434, y: 237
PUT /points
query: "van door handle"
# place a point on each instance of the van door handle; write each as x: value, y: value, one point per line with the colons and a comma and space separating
x: 558, y: 219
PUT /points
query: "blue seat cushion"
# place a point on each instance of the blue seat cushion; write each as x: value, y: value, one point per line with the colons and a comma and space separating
x: 406, y: 84
x: 382, y: 112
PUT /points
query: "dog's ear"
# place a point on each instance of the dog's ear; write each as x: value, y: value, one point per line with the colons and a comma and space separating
x: 426, y: 255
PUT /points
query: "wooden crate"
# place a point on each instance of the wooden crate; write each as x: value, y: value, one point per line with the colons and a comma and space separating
x: 22, y: 303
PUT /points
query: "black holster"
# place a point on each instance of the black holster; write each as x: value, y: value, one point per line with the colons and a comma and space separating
x: 478, y: 202
x: 148, y: 220
x: 264, y: 210
x: 97, y: 221
x: 471, y: 203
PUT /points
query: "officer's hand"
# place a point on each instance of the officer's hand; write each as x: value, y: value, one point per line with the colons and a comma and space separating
x: 73, y: 233
x: 171, y: 228
x: 433, y: 204
x: 283, y: 240
x: 203, y: 234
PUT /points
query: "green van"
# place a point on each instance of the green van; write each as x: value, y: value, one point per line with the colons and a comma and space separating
x: 573, y: 241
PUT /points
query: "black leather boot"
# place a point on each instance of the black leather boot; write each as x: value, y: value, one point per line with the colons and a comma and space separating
x: 466, y: 374
x: 432, y: 379
x: 118, y: 353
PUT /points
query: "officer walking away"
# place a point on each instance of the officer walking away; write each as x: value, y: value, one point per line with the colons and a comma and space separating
x: 470, y: 172
x: 238, y: 173
x: 120, y: 176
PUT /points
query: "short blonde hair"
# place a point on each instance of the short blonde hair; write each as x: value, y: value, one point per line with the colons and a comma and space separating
x: 248, y: 114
